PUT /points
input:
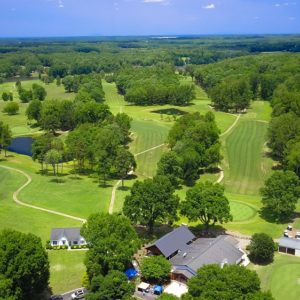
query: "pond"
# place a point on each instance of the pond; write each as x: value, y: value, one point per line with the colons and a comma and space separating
x: 21, y: 145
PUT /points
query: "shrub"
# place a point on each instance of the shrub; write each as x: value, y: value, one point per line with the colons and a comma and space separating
x: 155, y: 268
x: 11, y: 108
x: 261, y: 248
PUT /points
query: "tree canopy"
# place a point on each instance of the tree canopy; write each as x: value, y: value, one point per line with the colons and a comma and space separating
x: 206, y: 202
x: 280, y: 194
x: 24, y: 266
x: 228, y: 283
x: 155, y: 269
x: 261, y: 248
x: 150, y: 201
x: 113, y: 242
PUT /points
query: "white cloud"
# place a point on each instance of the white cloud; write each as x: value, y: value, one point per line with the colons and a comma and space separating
x: 209, y: 6
x: 61, y: 4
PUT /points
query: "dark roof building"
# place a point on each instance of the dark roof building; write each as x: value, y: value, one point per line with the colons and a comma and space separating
x: 187, y: 254
x: 172, y: 242
x: 206, y: 251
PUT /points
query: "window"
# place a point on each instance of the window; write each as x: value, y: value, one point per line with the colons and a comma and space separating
x: 64, y: 242
x: 75, y: 243
x: 54, y: 242
x: 82, y: 241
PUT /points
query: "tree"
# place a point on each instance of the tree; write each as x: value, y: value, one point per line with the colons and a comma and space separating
x: 24, y: 266
x: 11, y: 108
x: 51, y: 115
x: 53, y: 157
x: 5, y: 137
x: 156, y: 268
x: 206, y: 202
x: 292, y: 157
x: 38, y: 92
x: 114, y: 285
x: 150, y: 201
x: 25, y: 96
x: 261, y: 248
x: 282, y: 130
x: 40, y: 146
x: 113, y: 241
x: 169, y: 165
x: 280, y: 194
x: 33, y: 111
x: 5, y: 96
x: 228, y: 283
x: 124, y: 163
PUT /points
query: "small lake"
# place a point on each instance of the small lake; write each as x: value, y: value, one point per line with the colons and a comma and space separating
x: 21, y: 145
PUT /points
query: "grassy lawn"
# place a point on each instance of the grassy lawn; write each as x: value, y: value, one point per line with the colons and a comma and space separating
x: 282, y: 277
x: 18, y: 123
x: 66, y: 270
x: 246, y: 165
x: 76, y: 195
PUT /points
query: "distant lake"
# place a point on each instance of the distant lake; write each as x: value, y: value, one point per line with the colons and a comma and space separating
x: 21, y: 145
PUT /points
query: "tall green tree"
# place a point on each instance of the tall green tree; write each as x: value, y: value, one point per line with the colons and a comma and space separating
x: 5, y: 137
x: 33, y: 111
x: 113, y: 240
x: 150, y: 201
x: 53, y: 158
x: 280, y: 194
x: 24, y: 266
x: 124, y: 163
x: 38, y: 92
x: 227, y: 283
x: 156, y: 269
x: 206, y: 202
x: 51, y: 116
x: 113, y: 286
x: 40, y: 146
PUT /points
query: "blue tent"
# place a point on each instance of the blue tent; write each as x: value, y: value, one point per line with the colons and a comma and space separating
x: 131, y: 273
x: 158, y: 289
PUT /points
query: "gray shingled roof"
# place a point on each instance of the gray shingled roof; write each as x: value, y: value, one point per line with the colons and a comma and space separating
x: 289, y: 243
x: 174, y: 241
x: 206, y: 251
x: 71, y: 234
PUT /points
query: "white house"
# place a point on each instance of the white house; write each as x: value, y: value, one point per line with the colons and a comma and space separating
x: 66, y: 237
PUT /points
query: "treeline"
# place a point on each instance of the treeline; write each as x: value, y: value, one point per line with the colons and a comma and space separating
x: 153, y: 85
x: 284, y: 129
x: 233, y: 83
x: 101, y: 148
x: 195, y: 146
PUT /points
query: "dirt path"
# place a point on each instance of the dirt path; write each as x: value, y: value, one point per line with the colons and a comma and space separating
x: 232, y: 126
x: 114, y: 190
x: 18, y: 201
x: 221, y: 176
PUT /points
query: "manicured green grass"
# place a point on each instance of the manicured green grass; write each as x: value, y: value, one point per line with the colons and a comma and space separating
x: 75, y: 195
x: 246, y: 164
x: 22, y: 218
x: 19, y: 123
x: 282, y: 277
x: 66, y: 270
x: 241, y: 211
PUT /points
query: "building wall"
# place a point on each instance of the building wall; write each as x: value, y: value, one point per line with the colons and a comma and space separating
x: 297, y: 252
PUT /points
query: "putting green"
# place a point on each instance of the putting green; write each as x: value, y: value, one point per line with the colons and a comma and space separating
x: 241, y: 211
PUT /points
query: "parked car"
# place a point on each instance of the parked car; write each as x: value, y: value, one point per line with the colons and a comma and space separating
x: 79, y: 294
x: 56, y: 297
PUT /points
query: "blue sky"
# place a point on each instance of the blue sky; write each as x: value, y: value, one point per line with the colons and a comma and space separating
x: 21, y: 18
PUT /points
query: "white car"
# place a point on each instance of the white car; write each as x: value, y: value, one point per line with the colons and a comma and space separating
x: 79, y: 294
